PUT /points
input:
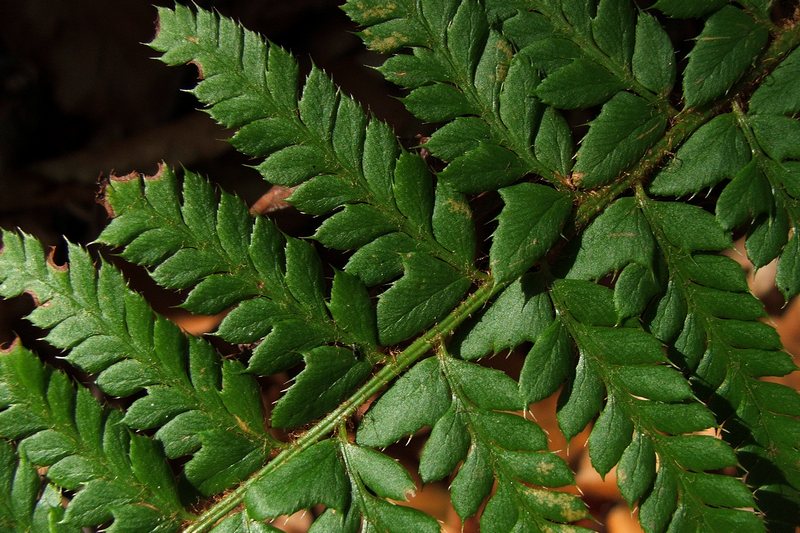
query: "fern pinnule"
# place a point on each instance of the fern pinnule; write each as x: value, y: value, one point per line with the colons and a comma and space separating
x: 721, y: 340
x: 116, y: 474
x: 318, y: 139
x: 200, y: 405
x: 19, y: 488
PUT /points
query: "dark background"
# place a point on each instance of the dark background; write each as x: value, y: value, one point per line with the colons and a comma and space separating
x: 81, y: 97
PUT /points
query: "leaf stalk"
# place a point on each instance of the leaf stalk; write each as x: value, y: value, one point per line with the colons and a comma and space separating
x: 404, y: 360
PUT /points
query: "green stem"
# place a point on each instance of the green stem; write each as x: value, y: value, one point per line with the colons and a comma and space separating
x: 405, y: 359
x: 684, y: 124
x: 595, y: 201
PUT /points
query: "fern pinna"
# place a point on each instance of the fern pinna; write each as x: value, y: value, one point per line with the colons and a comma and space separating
x: 603, y: 263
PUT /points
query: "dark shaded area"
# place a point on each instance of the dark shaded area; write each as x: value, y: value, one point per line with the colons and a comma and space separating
x: 81, y: 98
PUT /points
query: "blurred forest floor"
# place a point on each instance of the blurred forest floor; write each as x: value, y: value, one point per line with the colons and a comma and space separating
x: 81, y: 99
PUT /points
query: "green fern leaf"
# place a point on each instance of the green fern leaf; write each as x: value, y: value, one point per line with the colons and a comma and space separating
x: 486, y: 167
x: 519, y: 314
x: 653, y: 63
x: 788, y: 277
x: 547, y: 363
x: 314, y: 476
x: 426, y: 293
x: 331, y: 373
x: 275, y: 282
x: 22, y: 507
x: 648, y: 399
x: 110, y: 331
x: 117, y: 475
x: 770, y: 138
x: 619, y: 236
x: 463, y: 404
x: 626, y: 127
x: 528, y: 226
x: 590, y: 85
x: 716, y: 151
x: 374, y: 473
x: 358, y: 153
x: 321, y: 475
x: 587, y: 61
x: 648, y: 331
x: 425, y: 393
x: 775, y: 96
x: 319, y: 128
x: 730, y: 41
x: 688, y: 8
x: 553, y: 145
x: 724, y: 344
x: 745, y: 198
x: 467, y: 68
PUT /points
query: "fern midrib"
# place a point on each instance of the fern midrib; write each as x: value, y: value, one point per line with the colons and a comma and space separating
x: 675, y: 259
x: 401, y: 362
x: 589, y: 47
x: 501, y: 473
x: 178, y: 381
x: 354, y: 176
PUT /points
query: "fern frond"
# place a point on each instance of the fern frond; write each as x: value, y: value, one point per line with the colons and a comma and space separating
x: 199, y: 405
x: 322, y: 139
x: 274, y: 284
x: 751, y: 149
x: 567, y: 59
x: 705, y: 314
x: 463, y: 72
x: 116, y: 475
x: 22, y: 507
x: 767, y: 191
x: 713, y: 325
x: 653, y: 339
x: 465, y: 406
x: 649, y: 412
x: 353, y: 482
x: 251, y: 85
